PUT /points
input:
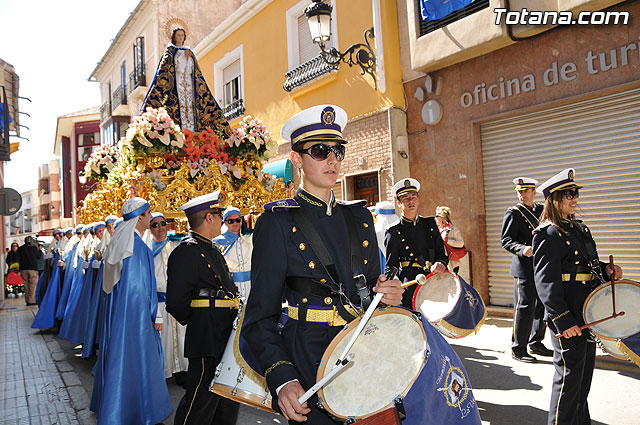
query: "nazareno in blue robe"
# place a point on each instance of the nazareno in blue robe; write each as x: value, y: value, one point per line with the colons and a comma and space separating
x: 131, y: 388
x: 72, y: 301
x: 91, y: 337
x: 46, y: 317
x: 78, y: 316
x: 66, y: 282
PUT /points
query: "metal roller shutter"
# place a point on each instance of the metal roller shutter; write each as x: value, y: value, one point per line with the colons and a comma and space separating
x: 598, y: 137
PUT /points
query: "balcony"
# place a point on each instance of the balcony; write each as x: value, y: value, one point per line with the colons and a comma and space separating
x: 105, y: 111
x: 234, y: 110
x: 118, y: 98
x: 306, y: 72
x: 137, y: 78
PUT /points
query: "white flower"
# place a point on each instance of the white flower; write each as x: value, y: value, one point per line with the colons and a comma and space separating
x: 131, y: 133
x: 223, y: 167
x: 165, y: 138
x: 144, y: 141
x: 237, y: 172
x: 179, y: 142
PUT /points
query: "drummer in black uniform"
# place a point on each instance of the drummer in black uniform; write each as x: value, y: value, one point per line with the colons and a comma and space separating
x: 318, y: 254
x: 414, y: 245
x: 528, y: 312
x: 201, y: 294
x: 566, y: 269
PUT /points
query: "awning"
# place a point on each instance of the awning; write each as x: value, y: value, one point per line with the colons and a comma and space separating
x: 281, y: 169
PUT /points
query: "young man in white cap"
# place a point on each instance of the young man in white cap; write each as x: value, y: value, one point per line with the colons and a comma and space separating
x: 201, y: 295
x: 237, y: 249
x: 321, y: 292
x: 172, y: 333
x: 414, y: 245
x: 566, y: 270
x: 129, y: 386
x: 528, y: 312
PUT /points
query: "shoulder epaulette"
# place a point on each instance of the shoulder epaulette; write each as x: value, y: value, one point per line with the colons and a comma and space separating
x: 542, y: 226
x: 189, y: 240
x: 356, y: 203
x: 281, y: 205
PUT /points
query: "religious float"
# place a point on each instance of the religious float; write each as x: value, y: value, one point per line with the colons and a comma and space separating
x: 181, y: 146
x: 159, y: 162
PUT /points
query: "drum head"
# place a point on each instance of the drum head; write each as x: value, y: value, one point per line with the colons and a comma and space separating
x: 598, y: 305
x: 437, y: 297
x: 389, y: 354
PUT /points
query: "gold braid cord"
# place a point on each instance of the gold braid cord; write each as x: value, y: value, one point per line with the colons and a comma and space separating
x: 249, y: 195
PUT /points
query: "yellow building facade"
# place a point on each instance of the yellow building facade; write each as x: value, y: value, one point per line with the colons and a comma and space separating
x: 265, y: 45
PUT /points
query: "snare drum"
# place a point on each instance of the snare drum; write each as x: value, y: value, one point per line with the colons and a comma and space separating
x: 610, y: 346
x: 236, y: 379
x: 598, y: 305
x: 450, y: 304
x: 389, y: 354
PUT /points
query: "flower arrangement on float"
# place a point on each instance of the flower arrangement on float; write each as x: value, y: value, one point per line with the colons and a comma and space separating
x: 100, y: 163
x: 154, y: 132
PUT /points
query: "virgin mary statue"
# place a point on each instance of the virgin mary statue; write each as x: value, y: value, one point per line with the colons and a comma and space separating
x: 179, y: 86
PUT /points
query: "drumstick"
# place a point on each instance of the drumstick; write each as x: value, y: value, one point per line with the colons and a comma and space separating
x: 420, y: 280
x: 588, y: 325
x: 337, y: 368
x: 613, y: 284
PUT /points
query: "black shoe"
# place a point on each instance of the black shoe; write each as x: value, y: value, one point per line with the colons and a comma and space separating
x: 539, y: 349
x: 524, y: 357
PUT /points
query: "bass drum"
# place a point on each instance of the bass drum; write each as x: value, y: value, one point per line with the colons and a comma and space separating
x: 235, y: 379
x: 598, y: 305
x: 389, y: 354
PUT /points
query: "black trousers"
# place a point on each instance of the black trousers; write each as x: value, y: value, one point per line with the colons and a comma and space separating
x: 407, y: 274
x: 574, y: 360
x: 199, y: 406
x: 528, y: 315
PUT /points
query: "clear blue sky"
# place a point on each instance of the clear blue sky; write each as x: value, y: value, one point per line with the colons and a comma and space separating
x: 54, y: 46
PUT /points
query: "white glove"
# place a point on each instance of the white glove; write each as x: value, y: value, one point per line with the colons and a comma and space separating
x: 61, y: 263
x: 48, y: 256
x: 96, y: 264
x: 85, y: 265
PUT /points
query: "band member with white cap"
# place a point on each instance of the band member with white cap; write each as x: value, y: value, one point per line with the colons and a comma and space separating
x: 322, y: 291
x: 414, y: 245
x: 566, y: 269
x: 528, y: 312
x: 201, y: 295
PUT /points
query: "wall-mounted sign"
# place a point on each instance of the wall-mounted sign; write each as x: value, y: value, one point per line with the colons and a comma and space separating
x: 10, y: 201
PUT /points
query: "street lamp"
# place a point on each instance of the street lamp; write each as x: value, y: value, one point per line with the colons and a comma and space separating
x: 319, y: 20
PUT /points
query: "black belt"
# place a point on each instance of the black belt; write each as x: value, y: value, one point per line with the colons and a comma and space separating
x: 212, y: 293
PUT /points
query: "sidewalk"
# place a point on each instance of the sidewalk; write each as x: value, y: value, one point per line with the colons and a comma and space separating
x: 37, y: 384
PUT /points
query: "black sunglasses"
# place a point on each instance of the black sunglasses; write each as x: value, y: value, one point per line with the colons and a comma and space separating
x: 569, y: 194
x: 233, y: 220
x: 321, y: 151
x: 158, y: 224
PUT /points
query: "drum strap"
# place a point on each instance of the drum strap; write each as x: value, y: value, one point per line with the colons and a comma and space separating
x: 357, y: 263
x: 319, y: 248
x: 590, y: 256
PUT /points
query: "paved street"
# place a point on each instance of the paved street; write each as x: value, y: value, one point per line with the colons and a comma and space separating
x: 44, y: 381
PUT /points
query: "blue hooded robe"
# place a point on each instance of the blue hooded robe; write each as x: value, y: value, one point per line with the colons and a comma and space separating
x: 130, y: 387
